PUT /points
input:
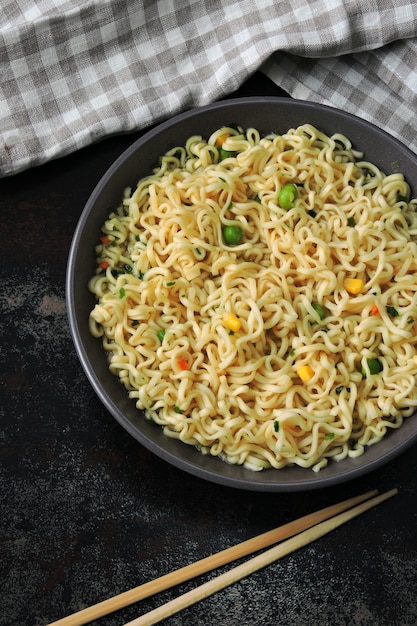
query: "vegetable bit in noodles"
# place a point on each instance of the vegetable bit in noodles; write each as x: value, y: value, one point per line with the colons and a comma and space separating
x: 245, y: 297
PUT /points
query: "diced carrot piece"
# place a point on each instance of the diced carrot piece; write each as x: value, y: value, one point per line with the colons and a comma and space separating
x: 221, y: 139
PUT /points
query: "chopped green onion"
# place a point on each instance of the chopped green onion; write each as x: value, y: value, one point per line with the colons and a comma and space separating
x: 276, y: 426
x: 178, y: 410
x: 339, y: 389
x: 161, y: 334
x: 329, y: 436
x: 122, y: 292
x: 321, y: 311
x: 351, y: 221
x: 170, y: 283
x: 374, y: 367
x: 225, y: 154
x: 392, y: 311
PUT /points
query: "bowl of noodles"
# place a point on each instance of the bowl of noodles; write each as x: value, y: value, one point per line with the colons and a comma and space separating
x: 242, y: 294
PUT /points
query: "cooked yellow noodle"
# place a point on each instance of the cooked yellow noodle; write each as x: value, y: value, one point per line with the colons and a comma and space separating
x: 166, y: 280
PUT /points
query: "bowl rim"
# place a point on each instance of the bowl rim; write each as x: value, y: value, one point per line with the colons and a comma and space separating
x: 349, y: 468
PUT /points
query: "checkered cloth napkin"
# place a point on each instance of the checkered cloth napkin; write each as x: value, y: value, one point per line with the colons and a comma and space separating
x: 75, y: 71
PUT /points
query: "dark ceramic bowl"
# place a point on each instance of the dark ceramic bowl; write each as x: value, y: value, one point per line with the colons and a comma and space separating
x: 265, y: 114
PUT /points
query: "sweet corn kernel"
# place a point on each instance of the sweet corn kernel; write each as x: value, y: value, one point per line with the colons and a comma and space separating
x: 232, y: 322
x: 305, y: 373
x: 353, y: 285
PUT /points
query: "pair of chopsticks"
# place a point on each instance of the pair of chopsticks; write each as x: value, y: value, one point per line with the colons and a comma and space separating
x: 296, y: 535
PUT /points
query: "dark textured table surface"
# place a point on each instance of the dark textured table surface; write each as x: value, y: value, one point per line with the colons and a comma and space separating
x: 87, y: 512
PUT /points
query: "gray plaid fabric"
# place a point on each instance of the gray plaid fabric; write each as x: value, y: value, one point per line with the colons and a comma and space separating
x: 75, y: 71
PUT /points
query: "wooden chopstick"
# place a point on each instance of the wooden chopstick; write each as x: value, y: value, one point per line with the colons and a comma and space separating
x: 256, y: 563
x: 209, y: 563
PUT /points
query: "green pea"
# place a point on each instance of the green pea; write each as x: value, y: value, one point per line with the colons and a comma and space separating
x: 232, y: 235
x: 287, y: 196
